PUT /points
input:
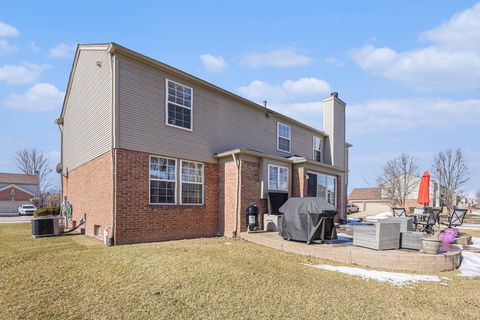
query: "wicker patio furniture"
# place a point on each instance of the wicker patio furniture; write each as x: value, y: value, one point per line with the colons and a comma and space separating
x: 411, y: 240
x: 406, y: 223
x: 399, y: 212
x: 382, y: 235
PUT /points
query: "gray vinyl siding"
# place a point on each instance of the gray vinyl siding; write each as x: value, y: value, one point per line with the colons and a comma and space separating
x: 339, y: 136
x: 219, y: 123
x: 334, y: 126
x: 88, y: 113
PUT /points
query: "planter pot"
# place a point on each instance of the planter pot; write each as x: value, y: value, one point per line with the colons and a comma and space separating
x: 431, y: 246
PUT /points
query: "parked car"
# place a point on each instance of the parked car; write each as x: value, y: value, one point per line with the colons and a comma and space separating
x: 26, y: 209
x: 351, y: 208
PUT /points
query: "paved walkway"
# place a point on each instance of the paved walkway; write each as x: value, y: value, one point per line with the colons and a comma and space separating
x: 13, y: 218
x: 399, y: 260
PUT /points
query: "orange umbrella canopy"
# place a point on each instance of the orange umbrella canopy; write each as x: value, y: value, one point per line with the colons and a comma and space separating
x: 424, y: 190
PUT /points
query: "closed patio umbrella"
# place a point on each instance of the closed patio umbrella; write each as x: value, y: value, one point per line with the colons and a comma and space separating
x: 424, y: 190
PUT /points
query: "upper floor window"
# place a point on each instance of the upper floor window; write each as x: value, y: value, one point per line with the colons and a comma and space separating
x: 277, y: 178
x: 317, y: 149
x: 163, y: 173
x: 179, y: 105
x: 284, y: 137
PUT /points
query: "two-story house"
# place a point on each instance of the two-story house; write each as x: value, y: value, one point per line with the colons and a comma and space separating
x: 153, y: 153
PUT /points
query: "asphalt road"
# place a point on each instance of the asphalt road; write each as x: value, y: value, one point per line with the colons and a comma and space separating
x: 13, y: 218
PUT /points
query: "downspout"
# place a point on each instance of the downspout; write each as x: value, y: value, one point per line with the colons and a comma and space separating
x: 114, y: 211
x: 237, y: 195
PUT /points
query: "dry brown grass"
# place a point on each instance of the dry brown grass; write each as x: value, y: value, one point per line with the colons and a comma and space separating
x: 75, y: 277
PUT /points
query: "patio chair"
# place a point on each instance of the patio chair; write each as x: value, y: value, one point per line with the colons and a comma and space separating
x: 382, y: 235
x: 432, y: 220
x: 456, y: 218
x: 399, y: 212
x: 406, y: 223
x: 418, y: 214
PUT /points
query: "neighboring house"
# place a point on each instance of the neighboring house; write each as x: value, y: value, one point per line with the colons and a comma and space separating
x: 17, y: 189
x: 374, y: 199
x: 153, y: 153
x: 369, y: 199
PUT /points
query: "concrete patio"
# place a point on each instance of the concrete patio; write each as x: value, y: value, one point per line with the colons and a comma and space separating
x: 345, y: 252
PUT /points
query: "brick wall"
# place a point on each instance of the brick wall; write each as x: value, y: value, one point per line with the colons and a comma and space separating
x: 138, y: 221
x: 299, y: 186
x: 89, y: 189
x: 20, y: 195
x: 249, y: 192
x: 227, y: 175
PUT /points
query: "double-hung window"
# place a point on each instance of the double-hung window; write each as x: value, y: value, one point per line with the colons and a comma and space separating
x: 163, y: 174
x: 191, y: 182
x: 179, y: 105
x: 277, y: 178
x: 317, y: 149
x: 284, y: 137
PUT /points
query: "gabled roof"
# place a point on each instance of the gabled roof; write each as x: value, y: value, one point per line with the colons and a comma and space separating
x: 374, y: 193
x: 112, y: 48
x: 18, y: 188
x: 18, y: 178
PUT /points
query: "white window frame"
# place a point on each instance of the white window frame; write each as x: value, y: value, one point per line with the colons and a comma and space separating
x: 155, y: 179
x: 166, y: 106
x: 289, y: 139
x: 278, y: 176
x: 314, y: 148
x: 202, y: 183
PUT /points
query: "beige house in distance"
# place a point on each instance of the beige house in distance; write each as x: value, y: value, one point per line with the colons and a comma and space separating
x: 151, y: 153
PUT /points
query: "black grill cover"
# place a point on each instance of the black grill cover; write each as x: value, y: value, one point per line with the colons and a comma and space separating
x: 308, y: 219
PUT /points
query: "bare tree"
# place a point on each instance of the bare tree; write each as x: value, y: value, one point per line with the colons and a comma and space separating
x: 34, y: 162
x: 399, y: 179
x: 451, y: 171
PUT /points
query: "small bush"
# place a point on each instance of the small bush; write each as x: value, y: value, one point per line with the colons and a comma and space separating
x: 47, y: 211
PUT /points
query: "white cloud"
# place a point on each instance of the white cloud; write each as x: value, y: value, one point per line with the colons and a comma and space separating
x: 34, y: 47
x: 20, y: 74
x: 7, y: 47
x: 289, y: 90
x: 283, y: 58
x: 213, y: 64
x: 62, y: 50
x: 450, y: 63
x: 7, y: 30
x: 389, y: 115
x: 334, y: 61
x: 40, y: 97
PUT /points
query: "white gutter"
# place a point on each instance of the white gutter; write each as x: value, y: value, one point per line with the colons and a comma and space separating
x: 112, y: 57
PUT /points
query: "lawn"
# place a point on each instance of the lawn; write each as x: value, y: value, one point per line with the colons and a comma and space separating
x: 76, y: 277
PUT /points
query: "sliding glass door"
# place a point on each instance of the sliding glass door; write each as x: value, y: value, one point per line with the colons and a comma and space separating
x: 323, y: 186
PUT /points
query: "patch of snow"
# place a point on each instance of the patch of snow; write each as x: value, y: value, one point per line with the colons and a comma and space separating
x: 395, y: 278
x: 470, y: 266
x: 382, y: 215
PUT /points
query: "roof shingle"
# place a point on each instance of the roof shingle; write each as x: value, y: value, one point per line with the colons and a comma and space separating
x: 18, y: 178
x: 366, y: 194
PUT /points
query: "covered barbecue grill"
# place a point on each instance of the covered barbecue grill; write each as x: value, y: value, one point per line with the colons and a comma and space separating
x: 307, y: 219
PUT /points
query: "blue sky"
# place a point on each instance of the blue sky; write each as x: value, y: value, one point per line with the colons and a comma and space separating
x: 408, y: 70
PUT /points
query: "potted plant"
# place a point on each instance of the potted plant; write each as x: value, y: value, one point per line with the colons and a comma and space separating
x: 431, y: 242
